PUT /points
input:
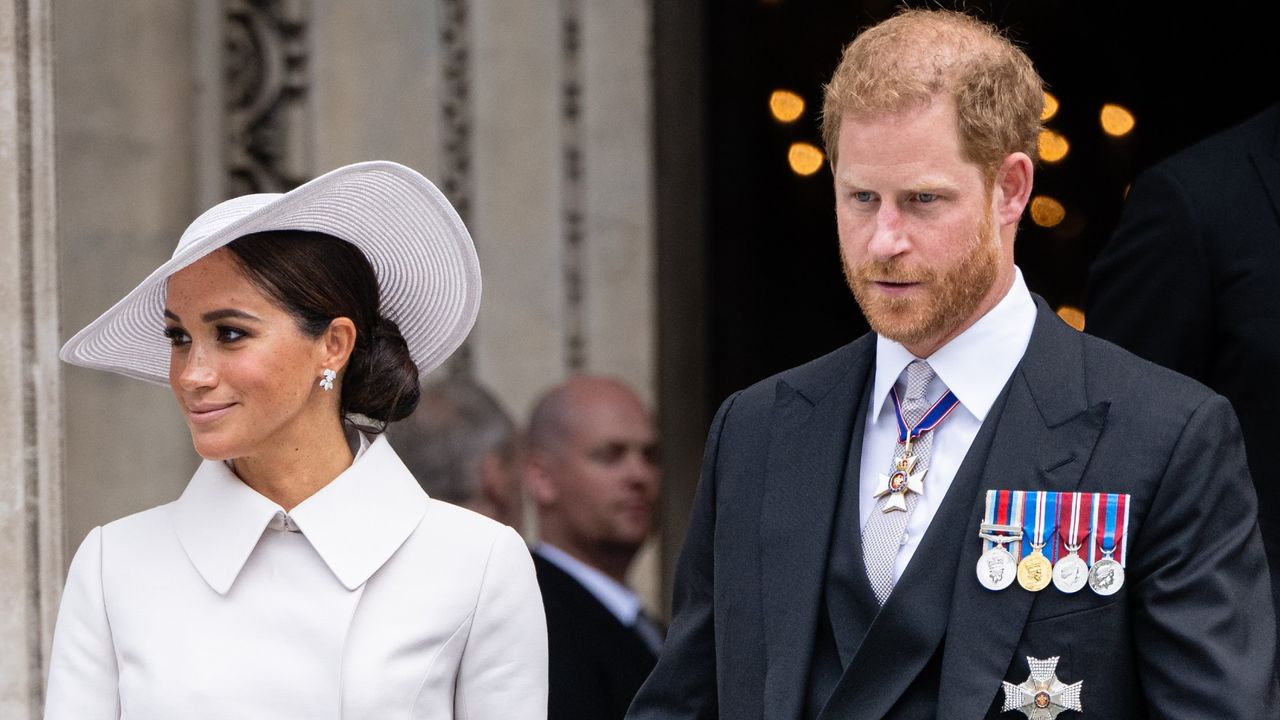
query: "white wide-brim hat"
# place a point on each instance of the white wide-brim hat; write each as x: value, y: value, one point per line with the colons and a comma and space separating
x: 428, y: 273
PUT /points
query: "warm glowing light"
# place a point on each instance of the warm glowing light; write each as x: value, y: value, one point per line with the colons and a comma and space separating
x: 1050, y: 107
x: 786, y: 106
x: 1053, y: 147
x: 1072, y: 316
x: 1047, y: 212
x: 1116, y: 120
x: 805, y: 159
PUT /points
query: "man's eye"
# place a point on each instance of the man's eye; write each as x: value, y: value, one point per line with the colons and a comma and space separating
x: 863, y: 196
x: 609, y: 454
x: 926, y: 197
x: 177, y: 336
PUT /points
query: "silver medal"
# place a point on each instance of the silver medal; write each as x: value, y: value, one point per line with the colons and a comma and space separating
x: 1070, y: 574
x: 997, y: 569
x: 1106, y: 576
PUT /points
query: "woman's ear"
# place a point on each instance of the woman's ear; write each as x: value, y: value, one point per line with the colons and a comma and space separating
x: 337, y: 343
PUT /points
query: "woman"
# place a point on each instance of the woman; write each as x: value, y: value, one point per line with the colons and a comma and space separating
x: 303, y: 573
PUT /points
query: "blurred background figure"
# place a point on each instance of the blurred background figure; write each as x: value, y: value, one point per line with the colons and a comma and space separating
x: 592, y: 473
x: 463, y: 448
x: 1188, y: 280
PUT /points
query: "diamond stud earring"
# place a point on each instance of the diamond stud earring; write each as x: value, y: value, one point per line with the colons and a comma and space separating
x: 326, y: 381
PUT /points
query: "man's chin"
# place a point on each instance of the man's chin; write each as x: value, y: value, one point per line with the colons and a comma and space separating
x: 904, y: 325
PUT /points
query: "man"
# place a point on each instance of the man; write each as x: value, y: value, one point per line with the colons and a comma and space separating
x: 829, y: 569
x: 592, y: 473
x: 1189, y: 281
x: 463, y: 448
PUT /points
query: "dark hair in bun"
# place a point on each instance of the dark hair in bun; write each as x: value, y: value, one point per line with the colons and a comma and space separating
x: 316, y: 277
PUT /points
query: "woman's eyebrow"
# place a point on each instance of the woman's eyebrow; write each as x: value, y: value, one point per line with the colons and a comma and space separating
x: 216, y: 315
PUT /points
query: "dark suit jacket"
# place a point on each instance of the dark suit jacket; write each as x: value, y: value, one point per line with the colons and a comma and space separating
x: 1190, y: 635
x: 597, y: 663
x: 1191, y: 280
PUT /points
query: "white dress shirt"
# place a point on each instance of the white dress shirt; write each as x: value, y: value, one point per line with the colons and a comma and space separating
x: 367, y: 600
x: 975, y: 366
x: 617, y: 598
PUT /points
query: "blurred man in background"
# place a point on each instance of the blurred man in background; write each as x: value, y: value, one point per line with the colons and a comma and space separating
x: 463, y: 448
x: 1188, y: 280
x: 592, y: 472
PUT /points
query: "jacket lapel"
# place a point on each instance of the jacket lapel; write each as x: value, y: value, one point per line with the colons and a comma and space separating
x: 814, y: 417
x: 1043, y: 440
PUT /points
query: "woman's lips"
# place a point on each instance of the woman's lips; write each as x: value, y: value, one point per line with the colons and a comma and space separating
x: 208, y: 413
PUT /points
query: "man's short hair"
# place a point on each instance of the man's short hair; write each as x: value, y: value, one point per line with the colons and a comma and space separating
x: 917, y: 55
x: 445, y: 440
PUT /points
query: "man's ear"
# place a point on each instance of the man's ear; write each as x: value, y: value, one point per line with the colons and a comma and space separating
x: 337, y: 343
x: 538, y: 480
x: 1012, y: 188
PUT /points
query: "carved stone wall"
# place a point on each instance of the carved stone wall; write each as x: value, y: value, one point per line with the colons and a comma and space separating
x: 265, y: 79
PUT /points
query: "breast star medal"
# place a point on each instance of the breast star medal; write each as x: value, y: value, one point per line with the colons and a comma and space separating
x: 1043, y: 696
x: 902, y: 481
x: 1035, y: 572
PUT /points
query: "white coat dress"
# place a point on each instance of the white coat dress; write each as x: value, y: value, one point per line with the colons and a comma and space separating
x: 367, y: 601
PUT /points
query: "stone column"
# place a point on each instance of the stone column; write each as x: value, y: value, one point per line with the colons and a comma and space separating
x: 31, y: 557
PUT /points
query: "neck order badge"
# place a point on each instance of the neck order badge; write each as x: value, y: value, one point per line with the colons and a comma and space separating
x: 904, y: 479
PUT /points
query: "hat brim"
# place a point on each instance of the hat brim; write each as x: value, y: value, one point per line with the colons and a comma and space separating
x: 428, y: 272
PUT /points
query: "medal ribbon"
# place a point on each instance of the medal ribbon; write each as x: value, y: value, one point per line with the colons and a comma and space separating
x: 1012, y: 509
x: 1115, y: 518
x: 1112, y: 510
x: 1074, y: 515
x: 990, y: 515
x: 997, y: 526
x: 936, y: 414
x: 1046, y: 508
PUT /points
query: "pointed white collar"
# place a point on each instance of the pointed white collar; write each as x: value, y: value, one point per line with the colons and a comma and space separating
x: 977, y: 363
x: 355, y: 523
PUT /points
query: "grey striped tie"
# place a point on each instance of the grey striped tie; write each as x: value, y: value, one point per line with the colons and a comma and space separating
x: 884, y: 533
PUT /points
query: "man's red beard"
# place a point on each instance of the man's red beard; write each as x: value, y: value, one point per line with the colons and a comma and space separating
x: 947, y: 300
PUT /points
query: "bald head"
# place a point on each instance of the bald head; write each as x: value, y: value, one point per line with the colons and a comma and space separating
x: 566, y: 407
x: 592, y: 470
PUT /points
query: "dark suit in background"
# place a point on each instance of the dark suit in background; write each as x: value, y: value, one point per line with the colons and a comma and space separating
x: 1191, y: 280
x: 597, y: 663
x: 774, y: 615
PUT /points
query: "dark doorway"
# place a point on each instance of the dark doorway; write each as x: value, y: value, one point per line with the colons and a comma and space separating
x: 777, y: 295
